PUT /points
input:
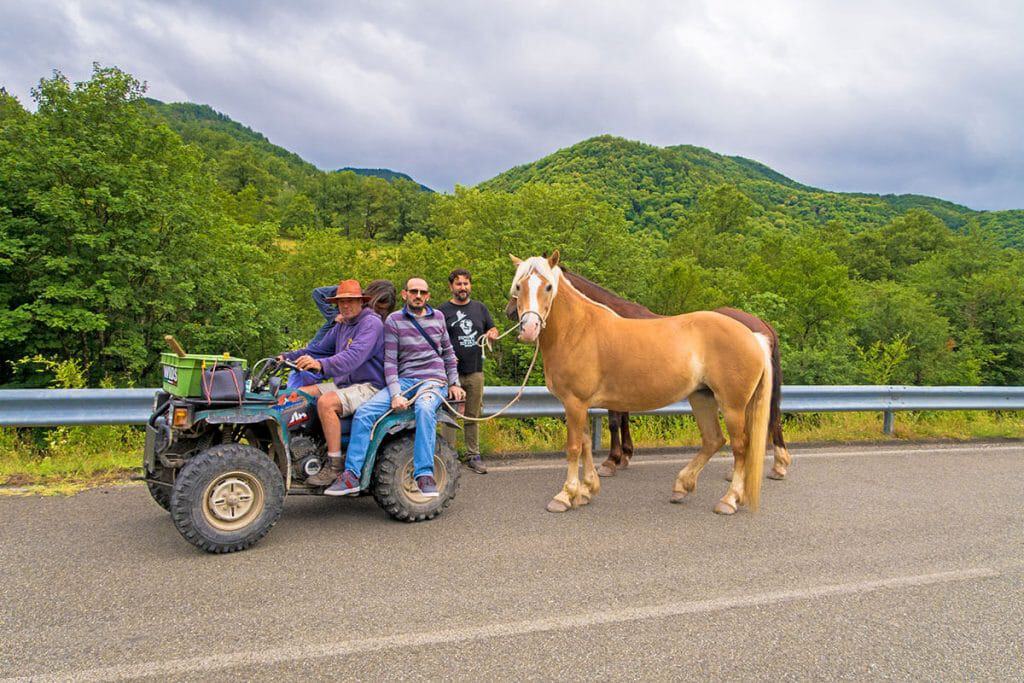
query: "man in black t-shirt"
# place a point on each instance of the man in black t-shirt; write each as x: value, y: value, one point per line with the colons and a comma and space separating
x: 467, y: 320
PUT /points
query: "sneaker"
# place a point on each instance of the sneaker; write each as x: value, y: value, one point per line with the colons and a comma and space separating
x: 477, y: 465
x: 346, y: 484
x: 427, y: 486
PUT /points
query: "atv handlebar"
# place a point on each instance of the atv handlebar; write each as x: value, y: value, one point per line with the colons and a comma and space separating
x: 266, y: 368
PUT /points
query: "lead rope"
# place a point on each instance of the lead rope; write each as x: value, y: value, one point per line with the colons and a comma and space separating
x: 433, y: 389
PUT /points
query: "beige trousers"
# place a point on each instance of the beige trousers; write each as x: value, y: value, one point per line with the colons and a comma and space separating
x: 474, y: 386
x: 351, y: 397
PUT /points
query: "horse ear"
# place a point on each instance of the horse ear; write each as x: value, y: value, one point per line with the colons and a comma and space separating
x: 553, y: 259
x: 515, y: 259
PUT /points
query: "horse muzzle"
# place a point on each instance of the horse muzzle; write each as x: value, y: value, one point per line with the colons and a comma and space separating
x: 530, y: 325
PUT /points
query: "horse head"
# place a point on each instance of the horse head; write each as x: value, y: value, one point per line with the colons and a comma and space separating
x: 533, y: 289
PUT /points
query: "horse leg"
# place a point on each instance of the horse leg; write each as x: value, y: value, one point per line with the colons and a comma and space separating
x: 627, y: 442
x: 591, y: 481
x: 576, y: 433
x: 609, y: 466
x: 781, y: 453
x: 735, y: 422
x: 705, y: 412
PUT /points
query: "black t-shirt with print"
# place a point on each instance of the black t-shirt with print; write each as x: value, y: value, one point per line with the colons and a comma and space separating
x: 465, y: 324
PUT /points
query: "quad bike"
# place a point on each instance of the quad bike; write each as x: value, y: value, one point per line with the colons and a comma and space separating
x: 222, y: 466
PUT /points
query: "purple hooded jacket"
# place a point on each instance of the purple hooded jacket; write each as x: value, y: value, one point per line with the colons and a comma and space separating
x: 350, y: 353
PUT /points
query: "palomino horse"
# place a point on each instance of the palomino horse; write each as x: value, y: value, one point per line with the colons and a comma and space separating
x: 594, y: 358
x: 621, y: 449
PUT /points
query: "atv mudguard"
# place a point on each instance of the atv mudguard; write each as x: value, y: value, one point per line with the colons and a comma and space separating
x: 394, y: 423
x: 280, y: 415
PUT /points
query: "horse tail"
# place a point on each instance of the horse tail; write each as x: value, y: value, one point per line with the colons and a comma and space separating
x: 757, y: 417
x: 775, y: 418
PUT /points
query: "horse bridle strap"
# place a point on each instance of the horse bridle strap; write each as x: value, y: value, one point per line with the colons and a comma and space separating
x: 543, y: 319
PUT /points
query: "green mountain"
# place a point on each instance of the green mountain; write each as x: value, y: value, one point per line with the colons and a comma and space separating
x: 658, y: 186
x: 267, y: 183
x: 216, y: 134
x: 219, y: 137
x: 385, y: 173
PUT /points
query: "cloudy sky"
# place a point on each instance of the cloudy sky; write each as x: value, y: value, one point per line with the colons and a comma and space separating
x: 873, y: 96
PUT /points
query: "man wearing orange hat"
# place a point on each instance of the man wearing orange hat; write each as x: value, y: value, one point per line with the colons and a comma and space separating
x: 351, y: 354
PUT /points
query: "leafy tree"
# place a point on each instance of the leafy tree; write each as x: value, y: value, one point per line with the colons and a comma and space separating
x: 299, y: 212
x: 380, y: 208
x: 994, y: 306
x: 887, y: 252
x: 891, y: 315
x: 413, y: 207
x: 337, y: 197
x: 111, y: 236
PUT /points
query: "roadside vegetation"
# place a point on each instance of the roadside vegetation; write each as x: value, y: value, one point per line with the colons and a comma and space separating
x: 69, y: 459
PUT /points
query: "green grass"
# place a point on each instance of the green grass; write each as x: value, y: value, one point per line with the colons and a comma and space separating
x: 548, y: 434
x: 68, y: 459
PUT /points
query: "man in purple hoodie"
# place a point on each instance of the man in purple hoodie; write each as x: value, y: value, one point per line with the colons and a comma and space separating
x: 352, y: 355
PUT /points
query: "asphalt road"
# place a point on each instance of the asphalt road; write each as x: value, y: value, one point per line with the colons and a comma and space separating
x: 868, y: 562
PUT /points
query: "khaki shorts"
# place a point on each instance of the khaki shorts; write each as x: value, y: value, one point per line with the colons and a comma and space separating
x: 351, y: 397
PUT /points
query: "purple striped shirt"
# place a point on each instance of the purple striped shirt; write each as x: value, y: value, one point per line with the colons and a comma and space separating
x: 408, y: 354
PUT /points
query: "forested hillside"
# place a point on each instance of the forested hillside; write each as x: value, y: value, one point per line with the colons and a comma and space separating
x: 267, y: 183
x: 123, y: 219
x: 385, y: 173
x: 656, y: 186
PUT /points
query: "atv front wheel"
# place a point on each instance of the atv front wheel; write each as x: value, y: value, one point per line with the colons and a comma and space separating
x: 395, y: 489
x: 227, y: 498
x: 161, y: 493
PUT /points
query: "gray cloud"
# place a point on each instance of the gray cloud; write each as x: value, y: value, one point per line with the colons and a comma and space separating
x: 922, y: 97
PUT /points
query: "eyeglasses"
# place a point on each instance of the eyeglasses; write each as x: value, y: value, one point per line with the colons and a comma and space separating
x: 418, y: 292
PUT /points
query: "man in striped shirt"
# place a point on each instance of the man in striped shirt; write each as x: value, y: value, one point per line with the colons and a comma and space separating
x: 418, y: 356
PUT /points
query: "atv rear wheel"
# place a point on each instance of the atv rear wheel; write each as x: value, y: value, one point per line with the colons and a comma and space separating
x: 227, y: 498
x: 395, y: 489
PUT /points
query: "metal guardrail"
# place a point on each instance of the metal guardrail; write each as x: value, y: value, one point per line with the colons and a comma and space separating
x: 57, y: 407
x: 53, y: 407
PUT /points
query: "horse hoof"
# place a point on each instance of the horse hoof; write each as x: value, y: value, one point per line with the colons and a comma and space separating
x: 775, y: 474
x: 624, y: 464
x: 723, y: 508
x: 557, y: 506
x: 605, y: 471
x: 677, y: 497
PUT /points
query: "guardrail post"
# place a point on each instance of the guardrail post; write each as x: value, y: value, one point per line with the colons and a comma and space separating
x: 595, y: 433
x: 888, y: 422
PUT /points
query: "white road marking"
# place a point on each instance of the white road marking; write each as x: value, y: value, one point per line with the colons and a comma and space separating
x: 474, y: 632
x: 724, y: 454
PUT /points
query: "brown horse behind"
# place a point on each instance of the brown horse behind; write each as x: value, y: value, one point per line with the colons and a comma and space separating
x: 594, y: 358
x: 621, y: 449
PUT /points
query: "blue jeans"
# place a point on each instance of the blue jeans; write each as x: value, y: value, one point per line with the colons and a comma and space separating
x: 426, y: 426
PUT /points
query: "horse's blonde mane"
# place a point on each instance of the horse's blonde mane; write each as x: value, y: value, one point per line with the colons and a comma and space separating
x: 554, y: 275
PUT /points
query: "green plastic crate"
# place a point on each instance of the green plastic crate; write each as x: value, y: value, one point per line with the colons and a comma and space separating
x: 183, y: 376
